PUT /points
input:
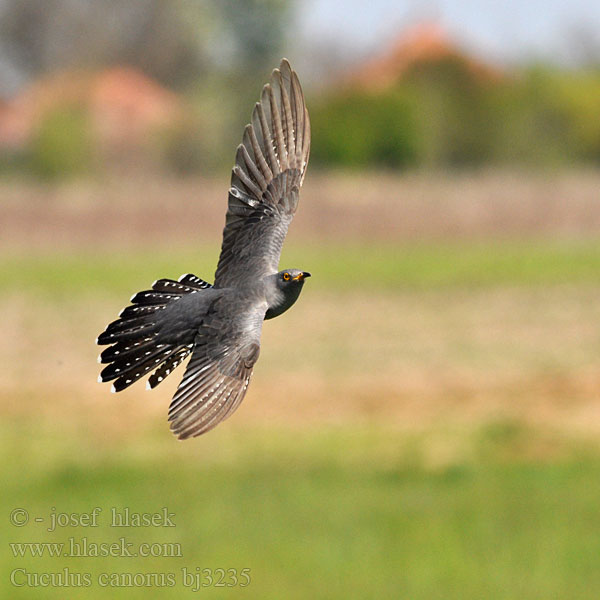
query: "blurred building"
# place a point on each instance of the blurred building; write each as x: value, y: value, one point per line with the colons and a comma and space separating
x: 120, y: 107
x: 423, y: 44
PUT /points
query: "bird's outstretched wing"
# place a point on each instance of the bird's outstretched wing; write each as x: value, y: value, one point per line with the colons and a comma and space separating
x: 269, y: 169
x: 216, y: 378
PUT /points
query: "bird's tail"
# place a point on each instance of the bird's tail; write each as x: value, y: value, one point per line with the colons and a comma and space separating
x: 134, y: 349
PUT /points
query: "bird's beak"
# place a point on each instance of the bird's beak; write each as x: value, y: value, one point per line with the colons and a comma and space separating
x: 302, y: 276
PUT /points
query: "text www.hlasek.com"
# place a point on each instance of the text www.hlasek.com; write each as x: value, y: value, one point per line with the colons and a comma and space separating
x: 79, y: 547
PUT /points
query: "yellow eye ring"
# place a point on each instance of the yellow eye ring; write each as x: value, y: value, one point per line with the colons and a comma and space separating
x: 286, y: 276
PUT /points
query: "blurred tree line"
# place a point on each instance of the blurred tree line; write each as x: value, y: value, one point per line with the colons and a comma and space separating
x: 215, y: 54
x: 441, y: 115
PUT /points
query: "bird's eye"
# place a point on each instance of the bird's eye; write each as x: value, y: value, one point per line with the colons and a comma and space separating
x: 286, y: 276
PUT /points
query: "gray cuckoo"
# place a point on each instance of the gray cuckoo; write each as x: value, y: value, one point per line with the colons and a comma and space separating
x: 220, y: 325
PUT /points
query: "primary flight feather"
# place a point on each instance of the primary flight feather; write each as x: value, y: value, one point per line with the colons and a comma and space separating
x: 220, y: 325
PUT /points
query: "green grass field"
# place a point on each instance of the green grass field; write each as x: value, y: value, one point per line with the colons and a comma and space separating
x: 384, y: 266
x: 442, y: 445
x: 334, y: 514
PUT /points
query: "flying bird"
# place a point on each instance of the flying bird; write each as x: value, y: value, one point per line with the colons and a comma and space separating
x: 220, y: 325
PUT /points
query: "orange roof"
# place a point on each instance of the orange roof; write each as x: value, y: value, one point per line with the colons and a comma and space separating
x: 423, y: 43
x: 122, y: 103
x: 13, y: 129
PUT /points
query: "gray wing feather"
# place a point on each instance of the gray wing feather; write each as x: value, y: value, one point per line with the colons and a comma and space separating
x: 265, y: 182
x: 217, y: 377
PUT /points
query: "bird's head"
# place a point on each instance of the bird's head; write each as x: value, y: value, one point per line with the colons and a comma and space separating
x: 291, y: 278
x: 283, y: 290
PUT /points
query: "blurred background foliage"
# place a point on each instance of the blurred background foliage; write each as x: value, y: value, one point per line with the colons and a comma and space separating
x: 421, y: 101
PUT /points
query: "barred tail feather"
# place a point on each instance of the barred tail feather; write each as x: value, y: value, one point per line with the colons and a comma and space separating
x: 134, y: 349
x: 169, y: 366
x: 128, y: 371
